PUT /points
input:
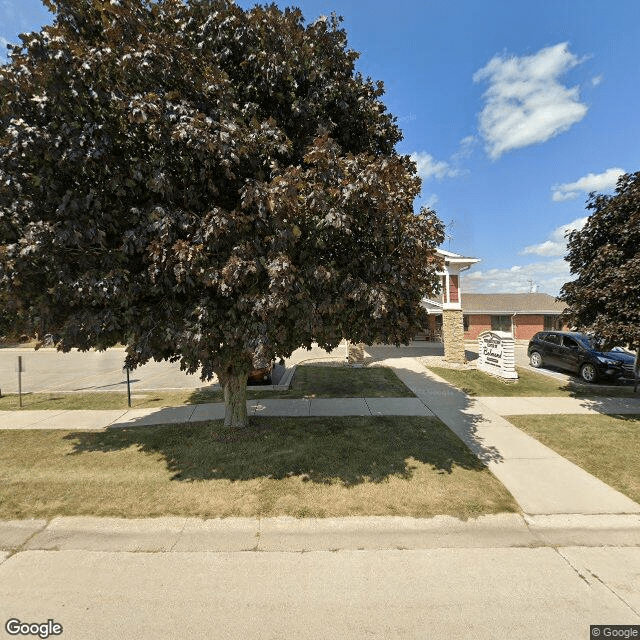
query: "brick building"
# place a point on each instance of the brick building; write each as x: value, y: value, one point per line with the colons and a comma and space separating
x: 522, y: 314
x: 446, y: 325
x: 457, y: 316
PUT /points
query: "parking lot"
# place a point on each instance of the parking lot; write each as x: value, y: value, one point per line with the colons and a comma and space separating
x: 50, y: 370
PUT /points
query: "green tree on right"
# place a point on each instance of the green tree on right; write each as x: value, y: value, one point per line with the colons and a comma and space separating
x: 604, y: 255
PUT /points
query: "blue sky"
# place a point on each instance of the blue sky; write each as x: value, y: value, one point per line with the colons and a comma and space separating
x: 513, y: 110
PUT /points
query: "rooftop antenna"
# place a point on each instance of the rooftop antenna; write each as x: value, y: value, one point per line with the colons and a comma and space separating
x: 532, y: 287
x: 449, y: 235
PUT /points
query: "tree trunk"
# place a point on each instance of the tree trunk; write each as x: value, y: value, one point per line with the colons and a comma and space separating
x: 235, y: 399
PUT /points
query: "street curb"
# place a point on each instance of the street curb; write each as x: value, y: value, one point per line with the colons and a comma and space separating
x: 180, y: 534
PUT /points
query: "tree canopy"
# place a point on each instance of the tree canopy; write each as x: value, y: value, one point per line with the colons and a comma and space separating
x: 193, y: 179
x: 605, y: 256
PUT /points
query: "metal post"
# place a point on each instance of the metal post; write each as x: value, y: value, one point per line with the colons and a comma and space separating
x: 20, y: 380
x: 128, y: 387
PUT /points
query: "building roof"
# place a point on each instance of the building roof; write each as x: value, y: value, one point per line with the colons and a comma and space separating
x: 502, y: 303
x: 451, y: 257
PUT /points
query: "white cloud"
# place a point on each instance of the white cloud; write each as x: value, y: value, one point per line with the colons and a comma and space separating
x: 548, y: 277
x: 525, y: 104
x: 596, y: 80
x: 556, y: 245
x: 465, y: 148
x: 468, y: 141
x: 431, y: 201
x: 429, y: 167
x: 4, y: 52
x: 590, y: 182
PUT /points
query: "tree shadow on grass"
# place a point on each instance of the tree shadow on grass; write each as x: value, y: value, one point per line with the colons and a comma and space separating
x: 452, y: 405
x: 624, y: 406
x: 349, y: 450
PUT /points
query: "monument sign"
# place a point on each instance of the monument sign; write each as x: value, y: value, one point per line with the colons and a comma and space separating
x: 496, y: 354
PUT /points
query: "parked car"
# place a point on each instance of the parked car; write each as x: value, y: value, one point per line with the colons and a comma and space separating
x: 580, y: 353
x: 260, y: 376
x: 262, y: 365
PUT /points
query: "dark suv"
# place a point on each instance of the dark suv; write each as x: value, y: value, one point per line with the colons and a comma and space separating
x: 581, y: 354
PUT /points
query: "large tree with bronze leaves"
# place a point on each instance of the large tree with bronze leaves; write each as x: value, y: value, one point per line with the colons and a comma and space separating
x: 194, y: 180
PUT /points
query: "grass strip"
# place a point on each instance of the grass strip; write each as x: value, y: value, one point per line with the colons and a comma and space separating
x: 604, y: 446
x: 479, y: 383
x: 301, y: 467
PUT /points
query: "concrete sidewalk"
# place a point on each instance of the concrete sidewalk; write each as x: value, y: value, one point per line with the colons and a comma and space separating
x: 541, y: 481
x: 306, y: 407
x: 514, y: 406
x: 300, y: 407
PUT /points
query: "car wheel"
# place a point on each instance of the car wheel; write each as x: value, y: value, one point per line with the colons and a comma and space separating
x: 588, y: 372
x: 535, y: 359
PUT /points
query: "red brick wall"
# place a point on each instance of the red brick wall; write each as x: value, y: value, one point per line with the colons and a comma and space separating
x: 527, y: 326
x: 477, y: 324
x: 453, y: 288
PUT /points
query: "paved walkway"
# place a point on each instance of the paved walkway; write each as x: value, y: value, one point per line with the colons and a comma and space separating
x: 302, y: 407
x: 306, y: 407
x: 541, y: 481
x: 548, y: 405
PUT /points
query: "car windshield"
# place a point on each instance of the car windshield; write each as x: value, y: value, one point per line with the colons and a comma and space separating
x: 590, y: 342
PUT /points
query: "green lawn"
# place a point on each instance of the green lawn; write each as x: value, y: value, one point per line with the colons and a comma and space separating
x: 605, y: 446
x: 310, y: 467
x: 309, y: 381
x: 319, y: 381
x: 478, y: 383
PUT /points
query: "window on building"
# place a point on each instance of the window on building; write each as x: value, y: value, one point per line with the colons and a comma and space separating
x: 465, y: 322
x: 501, y: 323
x: 550, y: 323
